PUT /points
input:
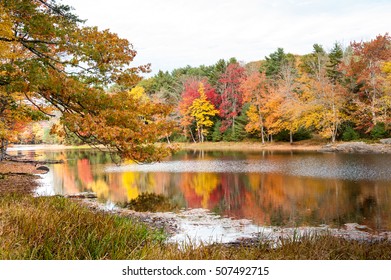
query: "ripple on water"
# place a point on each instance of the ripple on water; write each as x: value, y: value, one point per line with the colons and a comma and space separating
x: 306, y: 167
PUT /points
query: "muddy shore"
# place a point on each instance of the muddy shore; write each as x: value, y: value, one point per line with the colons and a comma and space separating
x: 18, y: 177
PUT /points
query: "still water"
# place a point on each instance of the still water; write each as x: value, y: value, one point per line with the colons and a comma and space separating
x: 268, y: 188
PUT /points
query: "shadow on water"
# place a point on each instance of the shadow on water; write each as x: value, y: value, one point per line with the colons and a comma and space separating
x: 151, y: 202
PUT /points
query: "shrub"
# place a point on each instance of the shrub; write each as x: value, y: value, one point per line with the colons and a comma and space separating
x: 350, y: 134
x: 379, y: 131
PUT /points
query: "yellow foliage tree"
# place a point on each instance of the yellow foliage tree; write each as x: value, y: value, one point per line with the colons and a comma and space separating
x: 385, y: 99
x: 325, y: 99
x: 138, y: 93
x: 202, y: 110
x: 284, y: 106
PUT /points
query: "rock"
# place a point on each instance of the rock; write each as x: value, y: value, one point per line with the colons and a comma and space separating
x: 357, y: 147
x: 385, y: 141
x: 43, y: 168
x: 82, y: 195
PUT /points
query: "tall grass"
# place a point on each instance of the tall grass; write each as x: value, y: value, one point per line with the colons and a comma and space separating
x: 58, y: 228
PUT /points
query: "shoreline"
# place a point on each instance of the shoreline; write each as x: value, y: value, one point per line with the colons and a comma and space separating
x: 301, y: 146
x: 250, y: 146
x: 304, y: 145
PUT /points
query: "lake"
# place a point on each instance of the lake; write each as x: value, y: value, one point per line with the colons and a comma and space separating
x: 269, y: 188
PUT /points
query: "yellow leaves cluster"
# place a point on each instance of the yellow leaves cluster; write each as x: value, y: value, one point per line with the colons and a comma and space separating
x: 202, y: 110
x: 255, y: 120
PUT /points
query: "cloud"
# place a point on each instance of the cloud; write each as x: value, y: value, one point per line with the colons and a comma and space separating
x: 175, y: 33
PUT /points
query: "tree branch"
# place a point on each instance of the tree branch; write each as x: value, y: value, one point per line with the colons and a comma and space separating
x: 39, y: 108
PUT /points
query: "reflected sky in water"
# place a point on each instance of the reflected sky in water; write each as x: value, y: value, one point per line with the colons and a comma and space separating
x: 344, y: 167
x: 269, y: 188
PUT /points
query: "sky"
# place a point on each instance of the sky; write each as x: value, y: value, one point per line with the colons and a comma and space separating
x: 174, y: 33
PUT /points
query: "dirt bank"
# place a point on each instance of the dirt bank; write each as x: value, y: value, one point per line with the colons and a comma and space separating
x: 18, y: 177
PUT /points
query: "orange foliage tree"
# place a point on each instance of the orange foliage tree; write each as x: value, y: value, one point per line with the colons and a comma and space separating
x: 57, y: 60
x: 255, y: 91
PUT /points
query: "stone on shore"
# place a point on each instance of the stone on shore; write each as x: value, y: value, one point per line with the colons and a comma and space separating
x: 357, y: 147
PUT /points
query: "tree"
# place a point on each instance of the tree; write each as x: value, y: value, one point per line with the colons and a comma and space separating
x: 274, y: 63
x: 190, y: 93
x: 334, y: 71
x: 231, y: 97
x: 324, y: 96
x: 57, y: 60
x: 291, y: 106
x: 385, y: 100
x: 255, y: 91
x: 202, y: 110
x: 364, y: 67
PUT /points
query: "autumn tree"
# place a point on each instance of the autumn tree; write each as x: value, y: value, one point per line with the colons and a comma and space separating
x: 202, y: 110
x: 286, y: 90
x: 231, y: 96
x: 325, y: 97
x: 190, y: 93
x: 385, y: 102
x: 58, y: 60
x: 365, y: 68
x: 255, y: 91
x: 15, y: 114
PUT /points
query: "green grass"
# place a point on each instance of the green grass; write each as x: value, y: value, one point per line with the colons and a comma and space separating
x: 59, y: 228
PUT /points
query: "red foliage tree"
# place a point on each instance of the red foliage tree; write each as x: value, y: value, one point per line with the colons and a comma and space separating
x: 365, y: 69
x: 190, y: 93
x: 231, y: 97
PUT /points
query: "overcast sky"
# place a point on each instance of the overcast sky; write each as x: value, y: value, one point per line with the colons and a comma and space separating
x: 175, y: 33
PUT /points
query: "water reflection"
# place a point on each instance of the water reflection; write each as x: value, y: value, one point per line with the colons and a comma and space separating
x: 287, y: 189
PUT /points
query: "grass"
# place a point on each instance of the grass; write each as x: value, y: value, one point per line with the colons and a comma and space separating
x: 59, y: 228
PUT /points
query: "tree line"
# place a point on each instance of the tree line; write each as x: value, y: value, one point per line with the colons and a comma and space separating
x: 340, y: 94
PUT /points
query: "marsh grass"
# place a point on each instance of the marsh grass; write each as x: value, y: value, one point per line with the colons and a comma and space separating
x: 58, y: 228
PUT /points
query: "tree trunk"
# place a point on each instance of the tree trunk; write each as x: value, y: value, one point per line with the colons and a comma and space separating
x: 291, y: 137
x: 262, y: 135
x: 233, y: 126
x: 373, y: 109
x: 334, y: 130
x: 262, y: 129
x: 192, y: 136
x: 3, y: 149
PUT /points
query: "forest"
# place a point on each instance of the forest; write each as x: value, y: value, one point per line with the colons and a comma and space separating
x: 340, y: 94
